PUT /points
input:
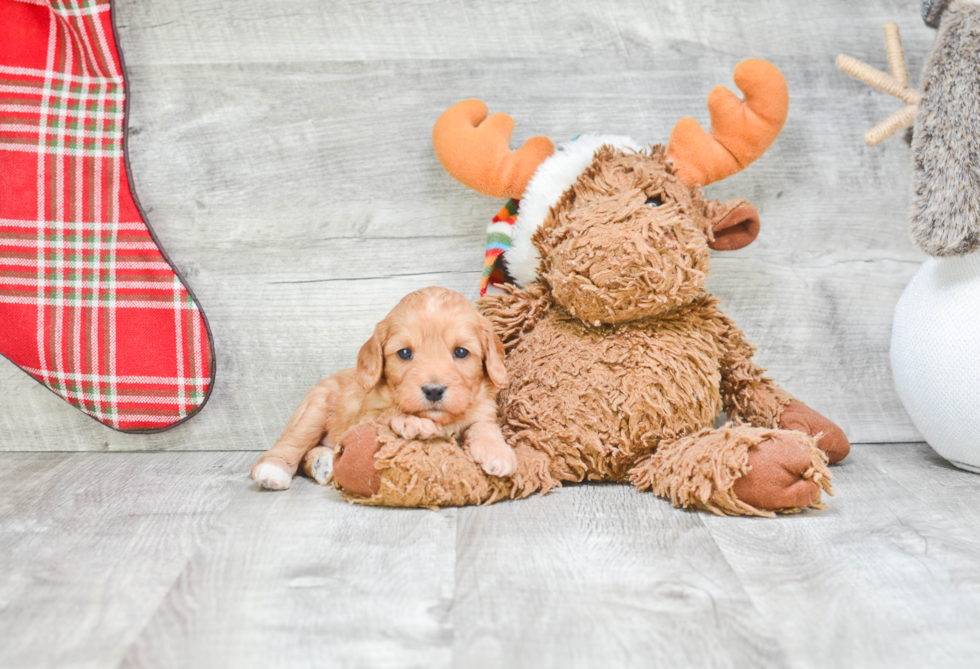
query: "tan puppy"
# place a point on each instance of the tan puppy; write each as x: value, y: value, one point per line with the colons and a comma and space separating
x: 432, y: 368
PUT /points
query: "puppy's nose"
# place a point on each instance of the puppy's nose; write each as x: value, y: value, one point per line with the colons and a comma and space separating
x: 433, y: 391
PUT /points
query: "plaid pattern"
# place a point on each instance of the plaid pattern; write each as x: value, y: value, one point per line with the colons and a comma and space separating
x: 499, y: 235
x: 89, y: 306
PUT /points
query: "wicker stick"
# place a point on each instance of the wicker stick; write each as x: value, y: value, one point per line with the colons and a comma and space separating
x: 877, y: 79
x: 896, y: 57
x: 896, y: 84
x: 897, y: 121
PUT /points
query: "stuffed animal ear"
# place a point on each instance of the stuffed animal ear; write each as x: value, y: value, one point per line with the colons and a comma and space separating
x: 493, y: 354
x: 371, y: 357
x: 732, y: 225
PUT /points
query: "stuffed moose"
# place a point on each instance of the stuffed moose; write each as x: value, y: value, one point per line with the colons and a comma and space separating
x: 618, y: 360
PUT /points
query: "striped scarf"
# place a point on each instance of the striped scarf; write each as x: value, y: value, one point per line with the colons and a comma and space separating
x: 499, y: 235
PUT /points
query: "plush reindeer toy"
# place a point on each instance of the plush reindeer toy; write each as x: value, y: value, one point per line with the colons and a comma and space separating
x: 618, y: 360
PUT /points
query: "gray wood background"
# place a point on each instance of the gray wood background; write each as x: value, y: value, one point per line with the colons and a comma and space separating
x: 282, y: 152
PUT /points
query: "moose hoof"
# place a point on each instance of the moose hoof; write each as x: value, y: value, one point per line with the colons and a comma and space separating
x: 833, y: 441
x: 353, y: 465
x: 775, y: 477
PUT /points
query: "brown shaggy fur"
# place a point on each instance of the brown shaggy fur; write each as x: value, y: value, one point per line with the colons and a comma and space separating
x: 619, y: 362
x: 438, y: 473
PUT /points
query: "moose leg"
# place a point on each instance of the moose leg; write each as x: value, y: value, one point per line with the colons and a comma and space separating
x: 305, y: 430
x: 737, y: 470
x: 375, y: 466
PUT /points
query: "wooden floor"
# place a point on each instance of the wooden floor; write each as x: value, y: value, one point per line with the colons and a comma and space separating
x: 177, y: 560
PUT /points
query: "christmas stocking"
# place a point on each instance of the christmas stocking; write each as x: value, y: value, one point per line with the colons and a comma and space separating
x: 89, y: 304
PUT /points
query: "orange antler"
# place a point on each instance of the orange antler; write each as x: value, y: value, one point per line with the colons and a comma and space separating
x: 740, y: 131
x: 475, y: 150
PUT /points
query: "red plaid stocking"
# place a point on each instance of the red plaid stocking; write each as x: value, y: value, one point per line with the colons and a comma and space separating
x: 89, y: 305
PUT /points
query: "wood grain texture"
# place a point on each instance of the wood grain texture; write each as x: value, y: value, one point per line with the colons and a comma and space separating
x: 884, y: 578
x: 600, y: 575
x: 91, y: 543
x: 932, y: 480
x: 283, y: 154
x: 303, y: 579
x: 178, y: 560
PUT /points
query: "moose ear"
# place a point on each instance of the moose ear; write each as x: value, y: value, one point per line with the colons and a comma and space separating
x: 732, y: 225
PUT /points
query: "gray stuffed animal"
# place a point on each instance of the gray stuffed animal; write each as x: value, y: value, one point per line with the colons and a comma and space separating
x: 946, y: 141
x: 934, y: 355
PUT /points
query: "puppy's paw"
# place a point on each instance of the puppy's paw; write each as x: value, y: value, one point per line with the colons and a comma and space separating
x: 492, y: 453
x: 271, y: 477
x: 413, y: 427
x: 323, y: 467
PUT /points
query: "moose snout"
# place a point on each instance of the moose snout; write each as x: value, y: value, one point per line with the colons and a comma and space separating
x: 433, y: 391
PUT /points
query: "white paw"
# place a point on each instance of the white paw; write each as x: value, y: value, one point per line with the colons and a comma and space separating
x: 496, y: 457
x: 413, y: 427
x: 323, y: 468
x: 272, y: 477
x: 504, y: 464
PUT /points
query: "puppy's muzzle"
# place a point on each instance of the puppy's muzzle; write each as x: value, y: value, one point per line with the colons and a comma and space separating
x: 433, y: 391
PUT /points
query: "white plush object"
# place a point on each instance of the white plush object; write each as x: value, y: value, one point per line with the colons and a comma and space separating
x: 935, y: 356
x: 553, y: 177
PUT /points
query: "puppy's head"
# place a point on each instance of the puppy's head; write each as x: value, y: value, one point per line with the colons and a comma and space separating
x: 436, y: 353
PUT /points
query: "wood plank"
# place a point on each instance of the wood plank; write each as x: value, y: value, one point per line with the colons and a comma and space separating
x: 933, y: 481
x: 600, y: 575
x: 178, y: 560
x: 91, y: 543
x: 881, y: 579
x: 301, y: 579
x: 297, y: 31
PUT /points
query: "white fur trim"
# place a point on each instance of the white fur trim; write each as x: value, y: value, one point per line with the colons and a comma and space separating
x: 272, y: 477
x: 553, y: 177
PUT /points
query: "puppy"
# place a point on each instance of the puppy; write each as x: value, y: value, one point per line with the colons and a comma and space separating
x: 432, y: 369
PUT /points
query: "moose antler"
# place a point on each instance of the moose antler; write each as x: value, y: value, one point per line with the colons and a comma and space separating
x: 475, y: 150
x: 740, y: 131
x: 897, y: 84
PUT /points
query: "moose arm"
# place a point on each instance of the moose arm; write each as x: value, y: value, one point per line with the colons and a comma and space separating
x: 748, y: 394
x: 516, y: 312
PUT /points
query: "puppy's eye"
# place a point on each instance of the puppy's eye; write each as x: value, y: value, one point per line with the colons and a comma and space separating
x: 405, y: 354
x: 459, y: 353
x: 655, y: 201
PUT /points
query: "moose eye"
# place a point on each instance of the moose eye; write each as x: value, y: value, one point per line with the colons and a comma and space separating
x: 405, y: 354
x: 459, y: 353
x: 655, y: 201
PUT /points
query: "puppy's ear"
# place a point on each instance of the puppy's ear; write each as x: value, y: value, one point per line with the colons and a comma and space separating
x: 732, y: 225
x: 493, y: 354
x: 371, y: 358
